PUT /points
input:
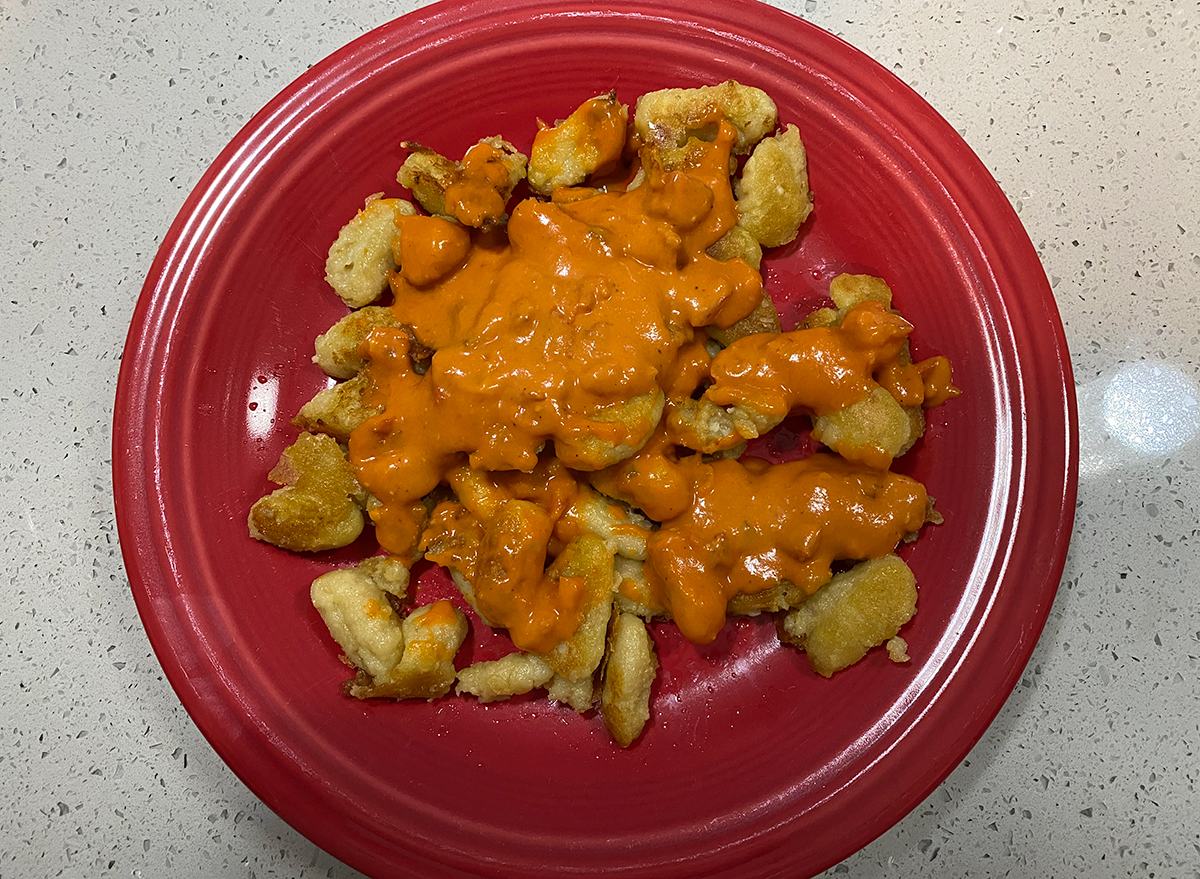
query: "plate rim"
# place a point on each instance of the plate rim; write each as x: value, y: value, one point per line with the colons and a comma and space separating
x: 152, y: 318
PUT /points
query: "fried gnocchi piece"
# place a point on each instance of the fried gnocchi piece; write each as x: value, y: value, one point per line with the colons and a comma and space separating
x: 706, y: 427
x: 877, y: 428
x: 780, y: 597
x: 847, y: 291
x: 497, y: 536
x: 428, y: 174
x: 388, y: 572
x: 354, y: 604
x: 872, y: 431
x: 822, y: 317
x: 597, y: 448
x: 632, y: 591
x: 651, y: 480
x: 586, y: 557
x: 855, y: 611
x: 737, y: 243
x: 477, y: 491
x: 515, y: 163
x: 432, y: 636
x: 491, y: 171
x: 622, y: 529
x: 701, y: 425
x: 361, y: 257
x: 677, y: 158
x: 503, y: 678
x: 589, y: 141
x: 473, y: 192
x: 453, y: 538
x: 629, y: 669
x: 510, y: 586
x: 337, y: 347
x: 773, y: 194
x: 667, y: 118
x: 320, y: 504
x: 931, y: 385
x: 511, y: 550
x: 764, y: 319
x: 580, y: 695
x: 897, y: 650
x: 339, y: 409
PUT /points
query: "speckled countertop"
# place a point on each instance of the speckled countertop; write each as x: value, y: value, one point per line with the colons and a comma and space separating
x: 1087, y: 114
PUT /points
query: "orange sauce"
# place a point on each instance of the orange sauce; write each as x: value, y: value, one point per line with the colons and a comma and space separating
x: 819, y: 370
x: 582, y: 306
x: 376, y: 611
x: 935, y: 381
x: 650, y: 479
x: 824, y: 369
x: 543, y: 331
x: 752, y: 524
x: 427, y: 647
x: 440, y: 613
x: 689, y: 369
x: 430, y: 247
x: 476, y: 196
x: 510, y: 588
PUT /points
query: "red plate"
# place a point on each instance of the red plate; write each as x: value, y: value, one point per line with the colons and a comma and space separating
x: 752, y: 766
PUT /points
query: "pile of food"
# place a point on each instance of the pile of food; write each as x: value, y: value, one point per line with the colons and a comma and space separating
x: 550, y: 395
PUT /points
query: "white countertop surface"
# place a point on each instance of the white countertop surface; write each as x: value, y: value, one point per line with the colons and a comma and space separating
x: 1087, y: 114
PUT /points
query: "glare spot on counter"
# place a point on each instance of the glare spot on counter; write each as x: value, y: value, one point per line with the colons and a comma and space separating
x: 261, y: 405
x: 1152, y: 407
x: 1135, y: 412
